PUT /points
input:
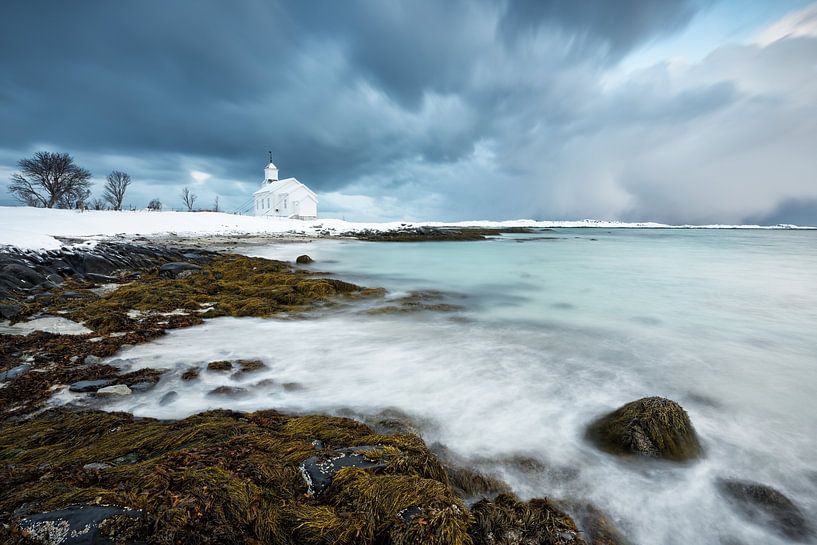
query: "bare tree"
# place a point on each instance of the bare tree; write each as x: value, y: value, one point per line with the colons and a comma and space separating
x: 76, y: 198
x: 116, y: 184
x: 97, y: 204
x: 49, y: 180
x: 188, y: 198
x: 155, y: 205
x: 215, y: 205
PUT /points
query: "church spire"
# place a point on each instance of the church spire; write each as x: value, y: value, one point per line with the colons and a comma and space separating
x: 270, y: 171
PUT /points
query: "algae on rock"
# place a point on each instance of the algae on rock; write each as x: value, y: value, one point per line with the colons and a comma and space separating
x: 652, y: 426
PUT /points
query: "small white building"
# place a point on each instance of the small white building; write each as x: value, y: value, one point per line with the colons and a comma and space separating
x: 287, y: 198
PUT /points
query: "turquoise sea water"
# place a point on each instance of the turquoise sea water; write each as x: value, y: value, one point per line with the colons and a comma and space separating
x: 557, y: 327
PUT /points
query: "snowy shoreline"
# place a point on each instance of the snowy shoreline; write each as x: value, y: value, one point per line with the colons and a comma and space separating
x: 41, y: 229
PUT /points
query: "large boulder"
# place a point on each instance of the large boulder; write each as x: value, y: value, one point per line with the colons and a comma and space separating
x: 764, y: 505
x: 652, y: 426
x: 303, y: 260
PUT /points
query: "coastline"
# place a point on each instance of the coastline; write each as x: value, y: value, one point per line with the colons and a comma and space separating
x: 422, y: 496
x: 133, y: 293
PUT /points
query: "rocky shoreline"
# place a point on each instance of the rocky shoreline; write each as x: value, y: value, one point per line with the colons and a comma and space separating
x: 79, y: 475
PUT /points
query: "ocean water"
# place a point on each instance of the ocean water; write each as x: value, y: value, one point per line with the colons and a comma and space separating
x: 555, y: 328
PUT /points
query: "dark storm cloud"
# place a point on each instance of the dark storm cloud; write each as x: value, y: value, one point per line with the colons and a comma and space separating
x: 457, y: 109
x: 619, y: 25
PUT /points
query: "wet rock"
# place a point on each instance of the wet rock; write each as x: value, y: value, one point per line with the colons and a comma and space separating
x: 85, y: 386
x: 228, y: 391
x: 221, y: 365
x: 142, y: 387
x: 318, y: 471
x: 24, y: 276
x: 178, y: 269
x: 190, y: 374
x: 508, y: 521
x: 80, y: 525
x: 168, y: 398
x: 7, y: 312
x: 101, y: 278
x: 303, y: 260
x: 653, y: 426
x: 90, y: 359
x: 15, y: 372
x: 55, y: 279
x: 597, y: 527
x: 767, y: 506
x: 248, y: 366
x: 115, y: 390
x: 96, y: 466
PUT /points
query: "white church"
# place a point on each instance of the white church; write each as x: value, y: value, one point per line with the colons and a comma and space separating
x: 287, y: 198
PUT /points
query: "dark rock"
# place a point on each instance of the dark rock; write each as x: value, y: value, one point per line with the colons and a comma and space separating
x: 90, y: 359
x: 653, y: 426
x: 78, y: 525
x: 103, y: 278
x: 221, y: 365
x: 8, y: 312
x: 85, y: 386
x: 303, y: 260
x: 318, y: 471
x: 142, y: 387
x: 54, y: 278
x: 764, y: 505
x: 597, y: 527
x: 228, y: 391
x: 24, y: 275
x: 248, y: 366
x: 14, y: 372
x: 168, y: 398
x: 71, y: 295
x: 178, y: 269
x: 191, y: 373
x: 410, y: 513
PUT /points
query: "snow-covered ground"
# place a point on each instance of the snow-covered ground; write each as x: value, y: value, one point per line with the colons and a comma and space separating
x: 36, y: 228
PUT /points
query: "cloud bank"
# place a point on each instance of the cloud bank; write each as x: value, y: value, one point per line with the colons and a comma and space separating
x: 420, y: 110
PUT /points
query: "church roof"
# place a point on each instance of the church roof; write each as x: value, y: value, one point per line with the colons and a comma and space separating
x: 285, y: 184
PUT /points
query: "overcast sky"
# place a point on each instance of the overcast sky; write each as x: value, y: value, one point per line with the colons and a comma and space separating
x: 680, y: 111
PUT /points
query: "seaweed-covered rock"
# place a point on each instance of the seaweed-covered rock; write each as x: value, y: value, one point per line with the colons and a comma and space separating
x: 84, y: 525
x: 318, y: 471
x: 303, y: 260
x: 224, y: 477
x: 190, y: 374
x: 597, y: 527
x: 764, y: 505
x: 508, y: 521
x: 651, y: 426
x: 178, y: 269
x: 220, y: 365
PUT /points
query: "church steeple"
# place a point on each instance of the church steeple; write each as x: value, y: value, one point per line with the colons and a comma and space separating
x: 270, y: 172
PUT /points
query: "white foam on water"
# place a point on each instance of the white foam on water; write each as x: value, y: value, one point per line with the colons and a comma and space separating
x: 553, y: 334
